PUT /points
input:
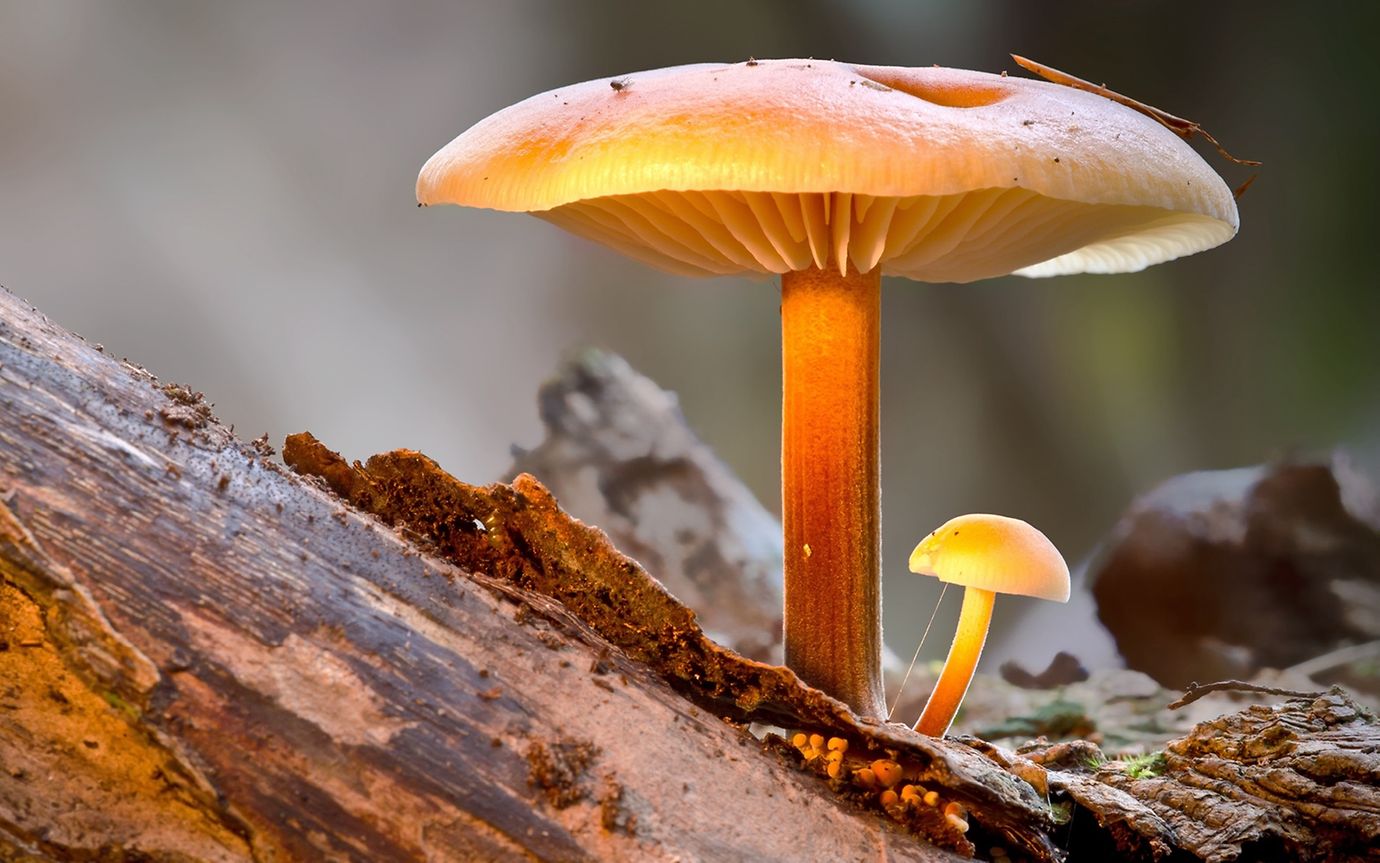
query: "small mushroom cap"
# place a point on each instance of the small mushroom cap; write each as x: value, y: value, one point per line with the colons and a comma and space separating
x: 772, y: 166
x: 996, y: 553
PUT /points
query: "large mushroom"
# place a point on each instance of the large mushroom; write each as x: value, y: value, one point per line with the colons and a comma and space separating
x: 829, y: 173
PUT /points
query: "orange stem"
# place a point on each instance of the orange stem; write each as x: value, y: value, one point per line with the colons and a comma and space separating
x: 962, y: 662
x: 830, y: 497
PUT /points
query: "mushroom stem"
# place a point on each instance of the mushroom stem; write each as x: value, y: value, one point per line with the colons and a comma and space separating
x: 830, y: 500
x: 959, y: 666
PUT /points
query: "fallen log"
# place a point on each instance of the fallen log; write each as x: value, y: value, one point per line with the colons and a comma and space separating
x: 519, y: 534
x: 1295, y: 781
x: 207, y: 658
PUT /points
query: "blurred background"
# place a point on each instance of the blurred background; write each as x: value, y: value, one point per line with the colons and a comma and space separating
x: 223, y: 192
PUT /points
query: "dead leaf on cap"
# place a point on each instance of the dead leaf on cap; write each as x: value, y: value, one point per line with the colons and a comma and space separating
x: 1185, y: 129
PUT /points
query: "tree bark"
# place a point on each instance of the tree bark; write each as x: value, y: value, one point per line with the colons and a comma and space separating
x: 207, y: 658
x: 1293, y: 781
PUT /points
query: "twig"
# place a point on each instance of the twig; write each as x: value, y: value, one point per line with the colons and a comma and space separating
x: 1185, y: 129
x: 1241, y: 189
x: 1196, y: 691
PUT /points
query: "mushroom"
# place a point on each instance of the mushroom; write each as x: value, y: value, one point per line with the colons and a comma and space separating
x: 827, y: 174
x: 987, y: 554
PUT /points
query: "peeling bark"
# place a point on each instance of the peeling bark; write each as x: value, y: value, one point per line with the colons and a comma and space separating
x: 263, y: 673
x: 520, y: 535
x: 204, y: 657
x: 1295, y: 781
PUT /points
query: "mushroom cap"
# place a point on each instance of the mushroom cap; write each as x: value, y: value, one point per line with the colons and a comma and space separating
x: 996, y: 553
x: 771, y: 166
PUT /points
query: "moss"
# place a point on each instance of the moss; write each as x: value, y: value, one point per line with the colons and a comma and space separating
x: 1146, y: 766
x: 1092, y: 762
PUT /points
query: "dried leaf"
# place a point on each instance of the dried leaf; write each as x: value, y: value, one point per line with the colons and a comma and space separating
x: 1185, y: 129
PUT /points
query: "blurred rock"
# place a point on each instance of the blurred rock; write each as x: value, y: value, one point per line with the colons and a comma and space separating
x: 619, y: 455
x: 1220, y: 574
x: 1062, y: 670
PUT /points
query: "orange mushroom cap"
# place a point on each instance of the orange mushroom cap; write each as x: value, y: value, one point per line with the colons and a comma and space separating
x: 773, y: 166
x: 996, y: 553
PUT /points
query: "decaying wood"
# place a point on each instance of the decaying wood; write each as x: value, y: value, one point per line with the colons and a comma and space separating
x: 1300, y: 781
x: 619, y: 454
x: 205, y: 658
x: 519, y: 534
x: 1294, y: 781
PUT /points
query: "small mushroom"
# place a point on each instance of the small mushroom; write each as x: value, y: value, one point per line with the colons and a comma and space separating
x: 987, y: 555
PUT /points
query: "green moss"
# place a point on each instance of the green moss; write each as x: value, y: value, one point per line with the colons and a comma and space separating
x: 1145, y: 766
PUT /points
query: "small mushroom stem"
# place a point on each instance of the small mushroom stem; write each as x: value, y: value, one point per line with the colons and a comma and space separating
x: 830, y: 498
x: 953, y: 682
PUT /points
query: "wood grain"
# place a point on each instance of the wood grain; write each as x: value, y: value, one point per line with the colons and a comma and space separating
x: 294, y: 681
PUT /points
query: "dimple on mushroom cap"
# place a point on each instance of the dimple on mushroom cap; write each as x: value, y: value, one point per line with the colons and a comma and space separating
x: 994, y: 552
x: 772, y: 166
